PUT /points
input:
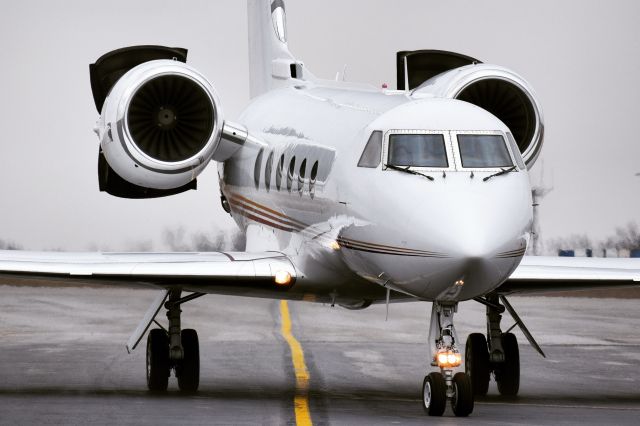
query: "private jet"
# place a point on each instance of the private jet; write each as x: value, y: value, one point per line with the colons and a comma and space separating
x: 348, y: 195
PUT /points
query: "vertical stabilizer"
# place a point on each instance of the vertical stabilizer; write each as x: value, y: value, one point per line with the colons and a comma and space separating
x: 270, y: 62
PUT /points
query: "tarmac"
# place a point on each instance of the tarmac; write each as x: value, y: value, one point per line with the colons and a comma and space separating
x: 63, y: 361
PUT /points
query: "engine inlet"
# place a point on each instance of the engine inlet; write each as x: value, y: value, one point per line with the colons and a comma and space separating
x: 507, y: 102
x: 171, y: 118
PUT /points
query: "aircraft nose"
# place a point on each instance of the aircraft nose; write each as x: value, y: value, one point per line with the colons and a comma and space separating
x: 478, y: 241
x: 472, y: 235
x: 482, y: 222
x: 474, y: 247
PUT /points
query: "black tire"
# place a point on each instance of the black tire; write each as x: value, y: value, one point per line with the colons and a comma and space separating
x: 508, y: 372
x: 158, y: 367
x: 434, y: 394
x: 188, y: 370
x: 462, y: 401
x: 476, y: 363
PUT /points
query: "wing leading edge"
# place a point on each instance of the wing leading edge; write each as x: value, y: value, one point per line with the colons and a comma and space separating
x: 222, y: 273
x: 547, y: 274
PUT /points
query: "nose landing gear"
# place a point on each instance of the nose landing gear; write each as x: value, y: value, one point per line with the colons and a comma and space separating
x: 438, y: 387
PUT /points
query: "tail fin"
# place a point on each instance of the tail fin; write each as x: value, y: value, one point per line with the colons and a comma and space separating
x: 270, y: 62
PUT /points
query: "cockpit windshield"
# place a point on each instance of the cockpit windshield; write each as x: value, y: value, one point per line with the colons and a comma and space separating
x: 415, y: 150
x: 483, y: 151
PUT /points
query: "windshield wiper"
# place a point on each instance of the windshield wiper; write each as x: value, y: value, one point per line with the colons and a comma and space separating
x: 500, y: 173
x: 407, y: 170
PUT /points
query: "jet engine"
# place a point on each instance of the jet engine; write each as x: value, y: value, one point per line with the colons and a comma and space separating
x: 495, y: 89
x: 161, y: 122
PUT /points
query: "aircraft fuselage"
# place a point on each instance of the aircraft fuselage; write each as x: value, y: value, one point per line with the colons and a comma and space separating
x: 302, y: 192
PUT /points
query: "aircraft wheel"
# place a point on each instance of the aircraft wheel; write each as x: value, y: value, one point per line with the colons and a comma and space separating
x: 434, y: 394
x: 508, y: 372
x: 476, y: 363
x: 462, y: 401
x: 188, y: 370
x: 157, y: 360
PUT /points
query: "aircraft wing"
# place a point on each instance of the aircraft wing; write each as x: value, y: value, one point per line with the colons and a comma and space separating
x: 212, y: 272
x: 546, y: 274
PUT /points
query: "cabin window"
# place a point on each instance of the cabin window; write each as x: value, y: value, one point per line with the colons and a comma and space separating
x: 257, y: 168
x: 279, y: 172
x: 292, y: 169
x: 417, y: 150
x: 483, y: 151
x: 372, y: 154
x: 301, y: 174
x: 312, y: 179
x: 267, y: 171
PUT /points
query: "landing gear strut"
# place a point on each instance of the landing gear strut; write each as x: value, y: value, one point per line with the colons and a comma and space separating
x: 438, y: 387
x: 175, y: 349
x: 498, y: 353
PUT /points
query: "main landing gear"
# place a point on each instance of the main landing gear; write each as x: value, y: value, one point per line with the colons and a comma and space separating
x: 498, y: 353
x: 438, y: 387
x: 175, y: 349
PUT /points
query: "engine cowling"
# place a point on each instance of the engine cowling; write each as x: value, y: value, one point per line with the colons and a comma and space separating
x: 501, y: 92
x: 160, y: 125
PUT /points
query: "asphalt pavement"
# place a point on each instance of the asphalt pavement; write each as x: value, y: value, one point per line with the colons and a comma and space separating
x: 63, y: 361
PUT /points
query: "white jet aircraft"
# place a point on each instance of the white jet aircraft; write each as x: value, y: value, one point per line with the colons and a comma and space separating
x: 348, y: 195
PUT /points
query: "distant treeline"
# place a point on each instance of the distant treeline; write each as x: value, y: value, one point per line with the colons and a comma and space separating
x: 173, y: 239
x: 179, y: 240
x: 625, y: 238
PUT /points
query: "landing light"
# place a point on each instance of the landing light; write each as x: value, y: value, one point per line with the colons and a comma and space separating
x: 334, y: 245
x: 282, y: 278
x: 459, y: 283
x: 449, y: 359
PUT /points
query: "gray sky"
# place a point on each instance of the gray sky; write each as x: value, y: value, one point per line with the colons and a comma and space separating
x: 580, y: 56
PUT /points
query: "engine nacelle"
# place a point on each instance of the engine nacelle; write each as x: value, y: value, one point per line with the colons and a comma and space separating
x: 499, y: 91
x: 160, y: 125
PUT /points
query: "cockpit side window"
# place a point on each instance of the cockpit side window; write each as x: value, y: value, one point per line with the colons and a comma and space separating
x: 417, y: 150
x: 516, y: 152
x: 483, y: 151
x: 372, y: 154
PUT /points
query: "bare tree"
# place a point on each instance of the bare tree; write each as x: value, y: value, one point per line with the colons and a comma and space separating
x: 9, y: 245
x: 627, y: 237
x: 238, y: 241
x: 208, y: 242
x: 175, y: 239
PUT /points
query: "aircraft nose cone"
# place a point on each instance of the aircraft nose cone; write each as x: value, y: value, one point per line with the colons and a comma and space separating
x: 471, y: 238
x: 478, y: 239
x: 464, y: 277
x: 483, y: 246
x: 480, y: 225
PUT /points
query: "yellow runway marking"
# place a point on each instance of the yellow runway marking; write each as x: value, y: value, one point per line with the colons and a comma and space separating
x: 301, y: 399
